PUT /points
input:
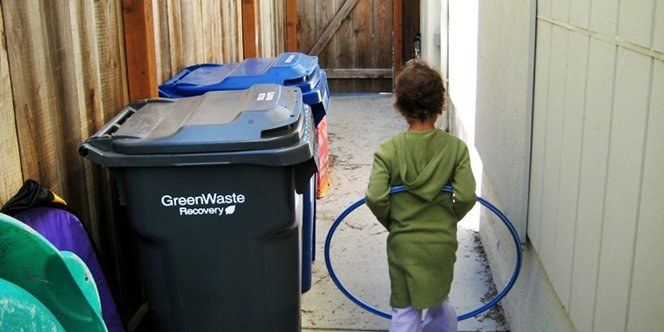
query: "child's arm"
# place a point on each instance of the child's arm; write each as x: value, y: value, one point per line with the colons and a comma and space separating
x: 378, y: 191
x: 464, y: 185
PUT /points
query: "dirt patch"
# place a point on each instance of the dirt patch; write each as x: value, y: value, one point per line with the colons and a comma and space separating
x: 496, y: 312
x: 333, y: 160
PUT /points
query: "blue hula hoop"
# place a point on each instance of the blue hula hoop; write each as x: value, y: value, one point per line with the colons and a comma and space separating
x: 449, y: 189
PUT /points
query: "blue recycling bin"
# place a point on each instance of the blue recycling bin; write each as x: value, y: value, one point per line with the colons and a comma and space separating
x: 288, y: 69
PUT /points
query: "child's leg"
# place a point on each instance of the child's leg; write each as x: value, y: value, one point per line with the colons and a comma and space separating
x: 406, y: 320
x: 441, y: 318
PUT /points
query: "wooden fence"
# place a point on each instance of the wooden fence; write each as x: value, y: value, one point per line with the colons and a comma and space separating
x: 64, y: 72
x: 353, y: 40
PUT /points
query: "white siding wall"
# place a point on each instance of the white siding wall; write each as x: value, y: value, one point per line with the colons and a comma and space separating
x: 595, y: 215
x: 503, y: 115
x: 505, y: 66
x: 462, y: 87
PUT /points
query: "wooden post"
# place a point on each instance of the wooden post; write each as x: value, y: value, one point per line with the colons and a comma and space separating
x: 250, y: 45
x: 291, y: 25
x: 140, y: 49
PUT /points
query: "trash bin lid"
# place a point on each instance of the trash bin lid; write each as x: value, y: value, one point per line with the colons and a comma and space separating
x: 265, y: 125
x: 289, y: 68
x: 262, y: 117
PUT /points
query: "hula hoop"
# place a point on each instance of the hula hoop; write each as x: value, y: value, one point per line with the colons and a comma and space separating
x: 449, y: 189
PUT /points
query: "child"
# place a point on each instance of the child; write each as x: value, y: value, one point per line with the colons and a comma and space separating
x: 421, y: 221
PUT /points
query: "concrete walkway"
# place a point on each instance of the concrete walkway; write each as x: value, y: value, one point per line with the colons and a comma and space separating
x: 357, y: 124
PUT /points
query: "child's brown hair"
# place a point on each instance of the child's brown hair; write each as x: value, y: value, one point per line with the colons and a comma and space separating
x: 419, y: 91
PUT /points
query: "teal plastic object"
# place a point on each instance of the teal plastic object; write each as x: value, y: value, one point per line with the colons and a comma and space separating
x: 59, y: 281
x: 19, y: 310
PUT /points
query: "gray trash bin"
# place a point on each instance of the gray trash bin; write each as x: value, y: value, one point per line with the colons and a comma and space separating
x: 212, y: 184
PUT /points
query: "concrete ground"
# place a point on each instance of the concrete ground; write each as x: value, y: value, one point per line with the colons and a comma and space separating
x: 357, y: 124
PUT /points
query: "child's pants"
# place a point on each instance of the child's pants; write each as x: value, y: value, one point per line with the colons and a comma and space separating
x: 441, y: 318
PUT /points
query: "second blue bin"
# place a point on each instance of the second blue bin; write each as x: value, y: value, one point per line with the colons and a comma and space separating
x: 289, y: 69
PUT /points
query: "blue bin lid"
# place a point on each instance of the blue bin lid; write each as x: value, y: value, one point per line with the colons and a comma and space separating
x: 320, y: 93
x: 289, y: 68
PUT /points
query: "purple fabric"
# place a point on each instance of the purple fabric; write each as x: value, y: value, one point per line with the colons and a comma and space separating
x: 65, y: 232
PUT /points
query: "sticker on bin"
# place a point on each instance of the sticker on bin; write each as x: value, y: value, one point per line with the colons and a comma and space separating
x: 204, y: 204
x: 265, y: 96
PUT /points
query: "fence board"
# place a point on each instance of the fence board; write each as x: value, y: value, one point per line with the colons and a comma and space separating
x: 382, y: 56
x: 623, y: 189
x: 544, y: 7
x: 140, y: 47
x: 279, y: 25
x: 346, y: 52
x: 211, y: 21
x: 603, y: 16
x: 161, y: 37
x: 113, y: 89
x: 648, y: 263
x: 39, y: 130
x: 250, y: 28
x: 411, y: 27
x: 383, y: 26
x: 325, y: 14
x: 355, y: 42
x: 291, y: 25
x: 632, y: 25
x: 397, y: 39
x: 73, y: 97
x: 175, y: 42
x: 658, y: 34
x: 271, y: 28
x: 553, y: 148
x: 232, y: 31
x: 364, y: 18
x: 306, y: 23
x: 192, y: 31
x: 560, y: 10
x: 570, y: 161
x: 579, y: 13
x: 186, y: 13
x: 10, y: 159
x: 592, y: 184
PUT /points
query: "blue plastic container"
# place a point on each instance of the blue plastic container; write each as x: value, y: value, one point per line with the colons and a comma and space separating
x: 288, y: 69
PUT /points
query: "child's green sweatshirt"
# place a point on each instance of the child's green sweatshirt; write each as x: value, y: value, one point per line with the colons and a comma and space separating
x: 422, y: 243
